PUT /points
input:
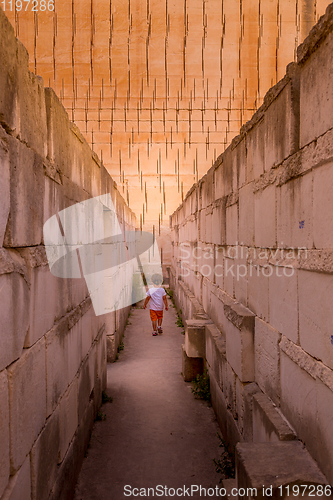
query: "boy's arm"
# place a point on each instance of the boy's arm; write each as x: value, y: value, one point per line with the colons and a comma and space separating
x: 165, y: 302
x: 146, y: 302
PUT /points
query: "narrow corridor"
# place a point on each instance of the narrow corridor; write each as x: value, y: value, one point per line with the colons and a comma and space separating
x: 155, y: 431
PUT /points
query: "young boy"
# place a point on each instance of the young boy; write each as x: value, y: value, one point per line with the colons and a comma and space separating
x: 156, y: 295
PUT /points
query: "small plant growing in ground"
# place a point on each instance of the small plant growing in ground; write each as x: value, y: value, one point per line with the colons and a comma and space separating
x: 100, y: 415
x: 106, y: 398
x: 201, y: 386
x: 120, y: 346
x: 225, y: 465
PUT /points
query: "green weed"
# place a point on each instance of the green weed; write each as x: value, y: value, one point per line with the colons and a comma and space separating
x: 225, y: 465
x: 106, y: 398
x: 201, y: 386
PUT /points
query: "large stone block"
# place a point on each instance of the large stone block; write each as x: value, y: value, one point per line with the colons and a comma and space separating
x: 240, y: 341
x: 50, y: 296
x: 298, y: 394
x: 68, y: 418
x: 19, y: 486
x: 275, y: 465
x: 315, y: 314
x: 241, y: 278
x: 232, y: 225
x: 5, y: 184
x: 59, y: 137
x: 191, y: 367
x: 22, y: 106
x: 224, y: 416
x: 267, y: 359
x: 219, y: 223
x: 248, y: 392
x: 264, y: 217
x: 268, y: 423
x: 246, y: 215
x: 323, y: 206
x: 4, y: 432
x: 279, y: 128
x: 27, y: 402
x: 195, y: 338
x: 316, y: 103
x: 229, y: 387
x: 25, y: 224
x: 294, y: 213
x: 255, y: 151
x: 258, y: 297
x: 63, y: 358
x: 14, y: 319
x: 283, y: 308
x: 45, y: 458
x: 215, y: 352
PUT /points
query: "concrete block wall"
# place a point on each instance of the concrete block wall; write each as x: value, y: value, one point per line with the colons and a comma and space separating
x: 53, y: 349
x: 260, y: 261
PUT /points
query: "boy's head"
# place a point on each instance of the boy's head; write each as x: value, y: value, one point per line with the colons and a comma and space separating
x: 157, y: 279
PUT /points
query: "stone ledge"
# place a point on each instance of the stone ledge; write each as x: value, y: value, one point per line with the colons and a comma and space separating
x: 239, y: 316
x: 275, y: 464
x: 271, y: 423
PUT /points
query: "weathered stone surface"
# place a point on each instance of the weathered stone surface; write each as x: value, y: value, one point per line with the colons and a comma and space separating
x: 14, y: 319
x: 294, y: 213
x: 315, y: 91
x: 191, y: 367
x: 246, y: 215
x: 275, y: 464
x: 267, y: 359
x: 278, y: 129
x: 68, y: 414
x: 248, y: 393
x: 224, y: 416
x: 25, y: 224
x: 27, y: 402
x: 268, y: 423
x: 324, y: 428
x: 5, y: 184
x: 258, y: 297
x: 63, y: 358
x: 298, y: 397
x: 215, y: 352
x: 283, y: 310
x: 323, y: 206
x: 45, y: 458
x: 22, y: 105
x: 4, y: 432
x: 19, y: 486
x: 255, y: 152
x: 315, y: 315
x: 195, y: 338
x: 232, y: 225
x: 264, y: 217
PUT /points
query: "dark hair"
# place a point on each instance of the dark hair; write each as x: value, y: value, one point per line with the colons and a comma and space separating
x: 157, y: 279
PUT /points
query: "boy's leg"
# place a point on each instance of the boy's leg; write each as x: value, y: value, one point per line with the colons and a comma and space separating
x: 154, y: 325
x: 159, y: 321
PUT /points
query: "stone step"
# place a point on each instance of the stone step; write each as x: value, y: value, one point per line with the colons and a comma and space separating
x: 272, y: 469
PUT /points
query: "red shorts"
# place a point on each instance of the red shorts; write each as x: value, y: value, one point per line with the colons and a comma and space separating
x: 155, y: 315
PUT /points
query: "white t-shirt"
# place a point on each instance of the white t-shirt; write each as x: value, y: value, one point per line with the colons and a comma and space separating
x: 156, y: 298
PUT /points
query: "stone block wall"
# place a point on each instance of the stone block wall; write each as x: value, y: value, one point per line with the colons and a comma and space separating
x: 252, y: 245
x: 53, y: 349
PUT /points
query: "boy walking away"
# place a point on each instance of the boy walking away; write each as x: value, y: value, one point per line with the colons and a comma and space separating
x: 156, y: 296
